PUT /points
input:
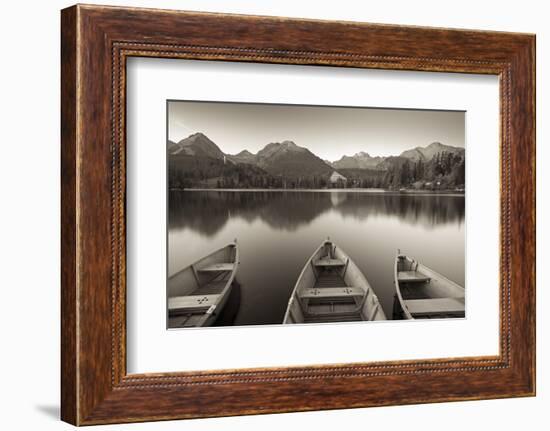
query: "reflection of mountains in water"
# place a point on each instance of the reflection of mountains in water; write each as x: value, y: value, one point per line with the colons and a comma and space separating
x: 208, y: 211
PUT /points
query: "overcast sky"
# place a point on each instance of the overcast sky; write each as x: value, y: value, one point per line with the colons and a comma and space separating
x: 329, y: 132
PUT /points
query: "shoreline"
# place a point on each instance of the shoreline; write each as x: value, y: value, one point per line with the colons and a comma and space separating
x: 369, y: 191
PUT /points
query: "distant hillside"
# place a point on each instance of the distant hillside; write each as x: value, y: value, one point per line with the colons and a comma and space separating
x: 444, y: 170
x: 290, y: 160
x: 359, y: 160
x: 390, y: 162
x: 285, y: 159
x: 427, y: 153
x: 364, y: 178
x: 244, y: 156
x: 185, y: 171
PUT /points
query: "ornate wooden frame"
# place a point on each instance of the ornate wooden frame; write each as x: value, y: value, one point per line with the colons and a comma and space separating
x: 95, y: 43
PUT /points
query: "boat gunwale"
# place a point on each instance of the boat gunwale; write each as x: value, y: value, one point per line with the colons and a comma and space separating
x: 232, y: 276
x: 408, y: 315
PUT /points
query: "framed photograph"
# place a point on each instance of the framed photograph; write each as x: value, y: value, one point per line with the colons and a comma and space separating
x: 259, y: 208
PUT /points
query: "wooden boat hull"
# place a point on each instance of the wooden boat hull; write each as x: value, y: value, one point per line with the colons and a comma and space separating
x: 422, y: 293
x: 331, y: 288
x: 198, y: 293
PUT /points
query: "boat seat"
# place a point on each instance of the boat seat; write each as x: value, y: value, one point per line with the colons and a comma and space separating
x: 339, y: 318
x: 212, y: 288
x: 217, y: 267
x: 435, y: 306
x: 332, y: 310
x: 191, y: 302
x: 328, y: 262
x: 187, y: 320
x: 331, y: 292
x: 412, y: 277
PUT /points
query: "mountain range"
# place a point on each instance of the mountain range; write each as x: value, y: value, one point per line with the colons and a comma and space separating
x: 364, y: 160
x: 201, y: 158
x: 359, y: 160
x: 277, y: 158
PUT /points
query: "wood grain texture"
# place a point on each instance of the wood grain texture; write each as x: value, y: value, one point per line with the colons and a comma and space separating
x: 68, y: 218
x: 96, y: 41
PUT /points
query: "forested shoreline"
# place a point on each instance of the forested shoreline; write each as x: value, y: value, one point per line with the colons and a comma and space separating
x: 445, y: 171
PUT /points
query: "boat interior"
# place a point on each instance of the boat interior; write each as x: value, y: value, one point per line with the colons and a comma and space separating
x: 331, y: 299
x: 426, y: 294
x: 326, y: 293
x: 194, y: 292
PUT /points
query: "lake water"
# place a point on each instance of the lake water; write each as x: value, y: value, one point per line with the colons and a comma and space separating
x: 277, y: 231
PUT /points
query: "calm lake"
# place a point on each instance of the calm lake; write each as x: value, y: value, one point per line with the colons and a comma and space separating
x: 277, y: 231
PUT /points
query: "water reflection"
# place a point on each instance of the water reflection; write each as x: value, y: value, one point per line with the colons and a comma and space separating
x: 189, y: 209
x: 277, y: 231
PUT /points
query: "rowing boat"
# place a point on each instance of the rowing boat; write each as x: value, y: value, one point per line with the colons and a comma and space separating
x: 331, y: 288
x: 422, y: 293
x: 198, y: 293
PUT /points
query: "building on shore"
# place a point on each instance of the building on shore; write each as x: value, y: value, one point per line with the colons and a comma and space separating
x: 337, y: 179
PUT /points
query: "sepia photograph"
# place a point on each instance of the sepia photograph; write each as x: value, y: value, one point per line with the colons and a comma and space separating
x: 302, y: 214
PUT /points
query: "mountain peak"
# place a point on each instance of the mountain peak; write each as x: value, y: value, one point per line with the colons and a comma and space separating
x: 360, y: 160
x: 279, y: 148
x: 194, y: 137
x: 244, y: 156
x: 244, y: 153
x: 197, y: 144
x: 362, y: 154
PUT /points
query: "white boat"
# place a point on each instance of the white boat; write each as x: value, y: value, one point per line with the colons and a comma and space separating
x: 422, y: 293
x: 331, y: 288
x: 198, y: 293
